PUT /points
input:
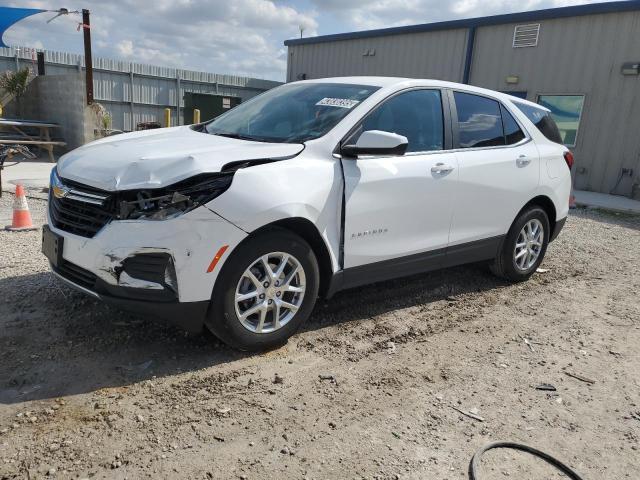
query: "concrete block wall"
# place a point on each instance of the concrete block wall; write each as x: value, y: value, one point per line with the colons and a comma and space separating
x: 59, y: 99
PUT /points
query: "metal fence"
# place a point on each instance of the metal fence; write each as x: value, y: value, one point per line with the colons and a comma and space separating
x: 136, y: 92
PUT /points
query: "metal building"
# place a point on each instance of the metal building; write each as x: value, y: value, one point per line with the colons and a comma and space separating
x: 137, y: 92
x: 582, y: 62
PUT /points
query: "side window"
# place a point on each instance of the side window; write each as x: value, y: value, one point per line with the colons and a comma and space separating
x: 479, y: 121
x: 512, y: 132
x: 416, y: 114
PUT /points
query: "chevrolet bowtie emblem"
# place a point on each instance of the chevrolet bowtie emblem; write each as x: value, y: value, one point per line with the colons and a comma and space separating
x: 59, y: 190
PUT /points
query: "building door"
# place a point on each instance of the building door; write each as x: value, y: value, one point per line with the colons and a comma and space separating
x: 210, y: 106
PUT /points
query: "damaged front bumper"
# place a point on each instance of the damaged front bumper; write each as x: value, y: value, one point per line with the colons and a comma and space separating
x: 186, y: 315
x: 158, y: 268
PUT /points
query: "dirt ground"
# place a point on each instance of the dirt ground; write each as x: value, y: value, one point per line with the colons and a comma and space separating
x: 372, y: 387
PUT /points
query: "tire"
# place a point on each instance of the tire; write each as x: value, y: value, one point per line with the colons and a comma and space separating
x: 244, y: 274
x: 518, y: 270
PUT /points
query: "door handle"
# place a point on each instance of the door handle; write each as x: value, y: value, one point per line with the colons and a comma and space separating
x: 523, y: 161
x: 440, y: 168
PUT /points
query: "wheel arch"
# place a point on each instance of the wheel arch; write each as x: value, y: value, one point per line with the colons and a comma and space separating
x: 548, y: 206
x: 308, y: 231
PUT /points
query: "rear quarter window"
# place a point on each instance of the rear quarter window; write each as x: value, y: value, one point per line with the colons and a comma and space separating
x: 542, y: 120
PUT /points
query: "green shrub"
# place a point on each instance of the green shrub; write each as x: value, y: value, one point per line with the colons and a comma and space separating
x: 15, y: 83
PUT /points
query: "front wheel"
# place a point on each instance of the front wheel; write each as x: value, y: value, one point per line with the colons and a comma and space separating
x: 265, y: 291
x: 524, y: 247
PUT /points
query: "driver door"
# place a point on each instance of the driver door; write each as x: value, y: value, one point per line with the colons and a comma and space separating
x: 398, y: 208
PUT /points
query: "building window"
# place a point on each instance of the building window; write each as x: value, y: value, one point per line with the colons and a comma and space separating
x: 566, y: 110
x: 526, y: 35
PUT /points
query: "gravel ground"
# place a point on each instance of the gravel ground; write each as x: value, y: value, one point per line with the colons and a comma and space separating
x: 371, y: 388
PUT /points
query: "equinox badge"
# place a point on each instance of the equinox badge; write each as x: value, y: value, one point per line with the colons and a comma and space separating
x: 369, y: 233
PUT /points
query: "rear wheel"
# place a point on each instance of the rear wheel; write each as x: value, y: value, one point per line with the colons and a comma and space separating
x: 524, y: 247
x: 265, y: 292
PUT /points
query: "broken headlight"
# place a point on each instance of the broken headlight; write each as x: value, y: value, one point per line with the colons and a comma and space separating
x: 171, y: 201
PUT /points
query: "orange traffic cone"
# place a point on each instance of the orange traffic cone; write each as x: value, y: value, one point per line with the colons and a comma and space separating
x: 572, y: 200
x: 21, y: 215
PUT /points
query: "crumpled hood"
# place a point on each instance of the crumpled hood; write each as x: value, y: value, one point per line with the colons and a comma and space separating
x: 161, y: 157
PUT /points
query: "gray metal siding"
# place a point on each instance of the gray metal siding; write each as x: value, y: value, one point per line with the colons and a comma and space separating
x: 579, y: 55
x: 154, y: 87
x: 438, y: 55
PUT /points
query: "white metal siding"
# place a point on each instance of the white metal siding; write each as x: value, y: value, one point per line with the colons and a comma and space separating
x: 154, y: 87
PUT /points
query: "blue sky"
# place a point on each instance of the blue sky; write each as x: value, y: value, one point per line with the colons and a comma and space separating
x: 241, y: 37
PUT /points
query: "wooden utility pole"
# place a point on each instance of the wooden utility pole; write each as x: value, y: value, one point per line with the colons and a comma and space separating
x: 88, y: 62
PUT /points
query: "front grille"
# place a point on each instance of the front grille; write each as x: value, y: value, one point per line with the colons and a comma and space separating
x: 76, y: 274
x: 83, y: 211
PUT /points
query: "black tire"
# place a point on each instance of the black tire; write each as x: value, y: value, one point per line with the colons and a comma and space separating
x: 504, y: 265
x: 222, y: 318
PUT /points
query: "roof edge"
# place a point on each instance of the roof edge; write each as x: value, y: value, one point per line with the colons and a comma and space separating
x: 534, y: 15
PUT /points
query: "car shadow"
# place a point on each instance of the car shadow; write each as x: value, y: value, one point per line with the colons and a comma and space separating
x: 376, y: 299
x: 55, y: 342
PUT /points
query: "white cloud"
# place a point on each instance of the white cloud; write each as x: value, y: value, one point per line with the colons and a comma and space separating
x: 125, y: 48
x: 242, y: 37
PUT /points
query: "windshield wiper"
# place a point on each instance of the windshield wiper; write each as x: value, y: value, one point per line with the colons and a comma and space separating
x: 250, y: 138
x: 236, y: 135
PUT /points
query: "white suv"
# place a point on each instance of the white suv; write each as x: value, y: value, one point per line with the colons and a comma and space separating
x: 240, y: 223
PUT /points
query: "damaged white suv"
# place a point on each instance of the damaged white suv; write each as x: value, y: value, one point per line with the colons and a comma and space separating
x: 239, y: 224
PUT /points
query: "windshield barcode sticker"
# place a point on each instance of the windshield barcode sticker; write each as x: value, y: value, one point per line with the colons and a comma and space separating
x: 338, y: 102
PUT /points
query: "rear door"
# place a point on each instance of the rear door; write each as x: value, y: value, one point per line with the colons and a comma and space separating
x: 399, y: 206
x: 499, y: 172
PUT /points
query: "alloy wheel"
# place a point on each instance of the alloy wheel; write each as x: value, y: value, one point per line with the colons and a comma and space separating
x: 528, y: 245
x: 270, y: 292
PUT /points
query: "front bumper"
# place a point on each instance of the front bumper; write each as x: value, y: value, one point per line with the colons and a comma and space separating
x: 189, y: 316
x: 108, y: 266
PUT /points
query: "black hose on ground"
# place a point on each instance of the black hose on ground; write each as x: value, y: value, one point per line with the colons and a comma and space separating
x: 475, y: 460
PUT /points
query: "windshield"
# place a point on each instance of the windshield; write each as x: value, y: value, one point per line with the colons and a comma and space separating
x: 291, y: 113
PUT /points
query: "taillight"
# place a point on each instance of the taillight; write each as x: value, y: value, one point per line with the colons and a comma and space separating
x: 568, y: 157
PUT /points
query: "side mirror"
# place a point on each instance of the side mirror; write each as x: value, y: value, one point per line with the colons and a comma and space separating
x: 376, y: 142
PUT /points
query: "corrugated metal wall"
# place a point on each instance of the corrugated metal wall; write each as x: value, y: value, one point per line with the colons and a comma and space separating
x: 575, y: 55
x: 134, y: 92
x: 578, y: 55
x: 438, y: 55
